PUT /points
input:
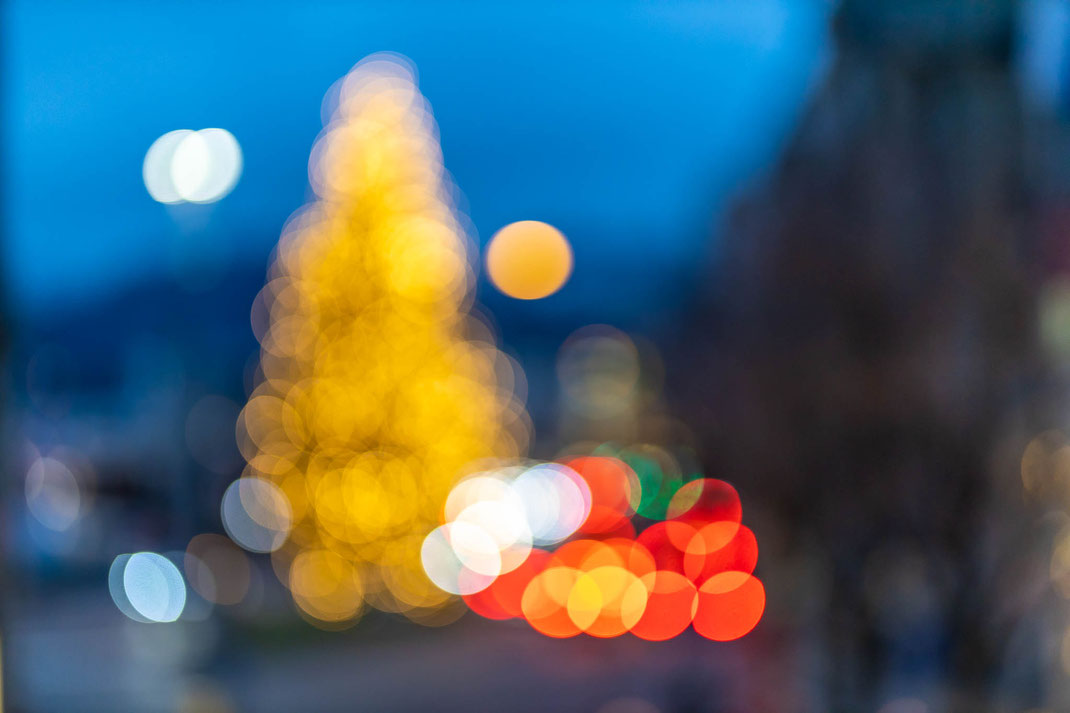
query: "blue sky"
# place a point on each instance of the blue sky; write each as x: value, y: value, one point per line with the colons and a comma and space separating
x: 626, y: 124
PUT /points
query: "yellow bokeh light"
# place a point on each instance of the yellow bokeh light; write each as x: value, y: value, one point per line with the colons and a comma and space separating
x: 376, y: 387
x: 529, y: 260
x: 325, y: 586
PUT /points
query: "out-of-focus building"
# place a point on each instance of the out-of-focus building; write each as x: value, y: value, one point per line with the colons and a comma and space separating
x: 875, y: 371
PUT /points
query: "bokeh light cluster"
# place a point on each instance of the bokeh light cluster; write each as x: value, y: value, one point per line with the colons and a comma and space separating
x: 376, y: 386
x: 493, y: 520
x: 691, y: 566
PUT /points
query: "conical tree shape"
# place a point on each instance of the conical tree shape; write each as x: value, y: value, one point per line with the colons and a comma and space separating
x: 378, y: 388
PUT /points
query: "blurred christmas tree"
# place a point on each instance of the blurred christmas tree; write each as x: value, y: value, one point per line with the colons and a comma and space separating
x: 377, y: 387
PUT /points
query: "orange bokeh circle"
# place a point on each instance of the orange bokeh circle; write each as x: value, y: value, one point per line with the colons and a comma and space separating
x: 730, y: 605
x: 613, y: 486
x: 508, y: 589
x: 545, y: 602
x: 670, y: 606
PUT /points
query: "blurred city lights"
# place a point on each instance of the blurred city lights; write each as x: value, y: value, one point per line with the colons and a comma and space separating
x: 694, y: 569
x: 492, y: 520
x: 376, y: 389
x: 860, y: 284
x: 192, y: 166
x: 529, y: 260
x: 147, y: 587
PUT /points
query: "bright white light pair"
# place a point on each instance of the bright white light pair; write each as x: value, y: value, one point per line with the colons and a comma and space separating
x: 192, y: 166
x: 494, y: 519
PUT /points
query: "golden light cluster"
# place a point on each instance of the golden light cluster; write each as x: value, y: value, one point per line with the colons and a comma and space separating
x: 376, y: 386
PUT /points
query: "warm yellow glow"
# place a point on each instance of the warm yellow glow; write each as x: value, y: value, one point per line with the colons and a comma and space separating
x: 529, y: 260
x: 376, y: 386
x: 325, y: 586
